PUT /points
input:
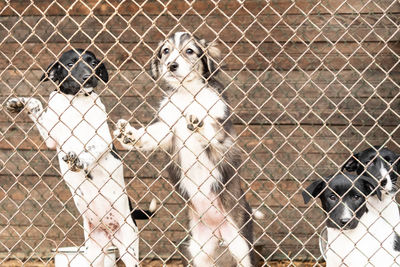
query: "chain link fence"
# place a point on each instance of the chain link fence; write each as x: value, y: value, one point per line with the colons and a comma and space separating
x: 308, y: 82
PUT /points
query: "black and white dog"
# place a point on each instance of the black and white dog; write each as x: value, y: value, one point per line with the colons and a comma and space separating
x: 193, y: 125
x: 75, y: 123
x: 358, y: 234
x: 378, y: 162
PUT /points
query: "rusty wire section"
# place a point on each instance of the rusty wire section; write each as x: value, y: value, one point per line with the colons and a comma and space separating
x: 309, y: 83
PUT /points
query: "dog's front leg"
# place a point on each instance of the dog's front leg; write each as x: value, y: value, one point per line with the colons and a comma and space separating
x: 147, y: 138
x: 35, y: 112
x: 82, y: 161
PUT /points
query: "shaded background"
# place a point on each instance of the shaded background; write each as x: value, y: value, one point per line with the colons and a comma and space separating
x: 309, y: 82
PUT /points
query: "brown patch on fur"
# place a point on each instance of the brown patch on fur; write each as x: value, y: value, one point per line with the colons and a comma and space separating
x: 114, y: 226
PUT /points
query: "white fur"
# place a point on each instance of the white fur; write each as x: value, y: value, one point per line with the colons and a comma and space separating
x: 206, y: 105
x: 371, y: 243
x: 79, y: 124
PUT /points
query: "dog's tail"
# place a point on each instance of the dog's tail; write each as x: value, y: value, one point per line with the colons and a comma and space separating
x: 140, y: 214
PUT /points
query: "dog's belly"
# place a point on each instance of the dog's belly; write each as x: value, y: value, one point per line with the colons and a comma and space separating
x: 208, y: 210
x: 100, y: 199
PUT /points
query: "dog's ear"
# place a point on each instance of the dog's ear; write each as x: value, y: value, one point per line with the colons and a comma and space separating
x: 352, y: 164
x: 155, y: 63
x: 52, y: 72
x: 372, y: 186
x: 210, y: 58
x: 101, y: 72
x: 313, y: 190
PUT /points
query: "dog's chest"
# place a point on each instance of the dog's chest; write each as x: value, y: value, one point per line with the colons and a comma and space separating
x: 79, y: 116
x: 176, y: 106
x: 371, y: 243
x: 198, y: 171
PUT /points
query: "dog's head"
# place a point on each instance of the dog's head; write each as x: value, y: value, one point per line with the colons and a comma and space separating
x: 184, y: 58
x: 378, y: 162
x: 343, y: 198
x: 75, y: 70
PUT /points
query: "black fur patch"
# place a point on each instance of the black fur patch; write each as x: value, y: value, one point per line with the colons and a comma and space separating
x: 88, y: 175
x: 139, y: 214
x: 114, y: 153
x: 396, y: 245
x: 71, y: 79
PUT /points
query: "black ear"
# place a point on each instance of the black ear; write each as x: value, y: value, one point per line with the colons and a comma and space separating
x: 372, y: 186
x: 52, y: 72
x: 210, y: 58
x: 101, y: 72
x: 352, y: 164
x: 155, y: 63
x: 313, y: 190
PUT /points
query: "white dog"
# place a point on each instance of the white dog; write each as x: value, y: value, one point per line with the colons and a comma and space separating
x: 194, y: 126
x: 75, y: 123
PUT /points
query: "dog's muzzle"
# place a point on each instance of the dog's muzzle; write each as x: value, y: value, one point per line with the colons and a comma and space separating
x: 173, y: 66
x: 89, y: 81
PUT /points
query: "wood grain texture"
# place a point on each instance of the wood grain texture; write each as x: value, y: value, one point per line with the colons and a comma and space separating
x: 309, y: 82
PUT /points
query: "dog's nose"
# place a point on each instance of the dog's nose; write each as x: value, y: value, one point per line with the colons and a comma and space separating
x: 86, y: 76
x: 344, y: 221
x: 173, y: 66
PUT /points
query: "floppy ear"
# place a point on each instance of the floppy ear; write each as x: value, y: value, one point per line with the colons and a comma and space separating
x: 372, y: 186
x: 352, y: 164
x: 313, y: 190
x: 155, y: 63
x: 101, y: 72
x: 397, y: 163
x: 52, y: 72
x: 210, y: 57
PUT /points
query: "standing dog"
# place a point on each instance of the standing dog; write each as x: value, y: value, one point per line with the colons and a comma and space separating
x: 358, y: 233
x: 194, y: 126
x: 75, y: 122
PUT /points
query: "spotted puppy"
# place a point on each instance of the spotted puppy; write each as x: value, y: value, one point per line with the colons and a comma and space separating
x: 75, y: 123
x: 358, y: 235
x: 193, y: 125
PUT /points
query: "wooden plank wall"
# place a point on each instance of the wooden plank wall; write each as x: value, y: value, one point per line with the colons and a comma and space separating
x: 309, y: 82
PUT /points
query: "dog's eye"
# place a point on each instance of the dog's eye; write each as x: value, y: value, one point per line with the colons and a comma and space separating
x: 356, y: 197
x: 70, y: 65
x: 166, y: 51
x: 389, y: 160
x: 94, y: 63
x: 189, y: 51
x: 333, y: 197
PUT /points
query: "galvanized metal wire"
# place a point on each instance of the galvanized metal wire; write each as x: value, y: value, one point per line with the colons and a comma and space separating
x: 308, y: 82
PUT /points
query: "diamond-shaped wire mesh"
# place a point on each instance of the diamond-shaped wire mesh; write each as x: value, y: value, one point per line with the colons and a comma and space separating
x: 309, y: 83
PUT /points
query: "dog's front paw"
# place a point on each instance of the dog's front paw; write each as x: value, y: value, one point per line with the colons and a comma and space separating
x: 125, y: 133
x: 15, y: 105
x: 74, y: 163
x: 193, y: 123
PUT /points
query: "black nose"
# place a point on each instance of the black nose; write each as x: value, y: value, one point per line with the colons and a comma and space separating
x: 173, y: 66
x: 86, y: 76
x: 344, y: 221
